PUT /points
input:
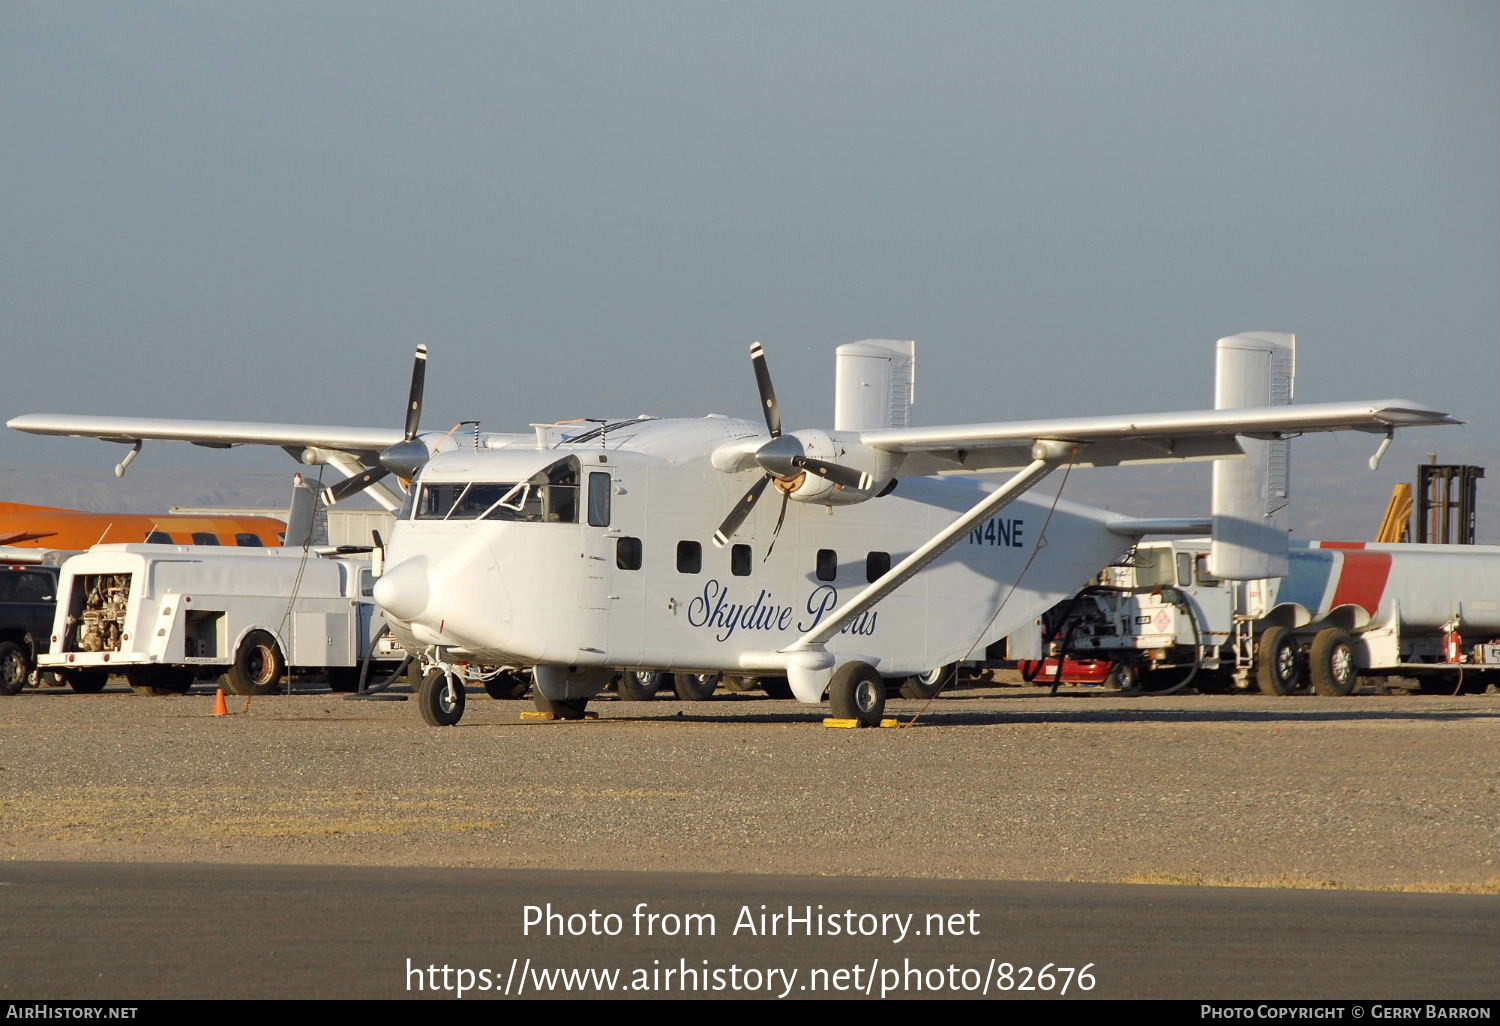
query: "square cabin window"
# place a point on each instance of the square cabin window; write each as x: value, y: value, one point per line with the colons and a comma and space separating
x: 628, y: 553
x: 739, y: 560
x: 689, y: 557
x: 828, y: 564
x: 877, y: 565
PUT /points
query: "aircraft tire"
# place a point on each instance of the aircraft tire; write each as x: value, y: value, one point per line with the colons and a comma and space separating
x: 930, y: 684
x: 562, y: 708
x: 1330, y: 662
x: 15, y: 667
x: 1276, y: 661
x: 857, y: 692
x: 695, y: 687
x: 776, y: 687
x: 640, y: 685
x: 258, y: 666
x: 438, y: 709
x: 506, y: 687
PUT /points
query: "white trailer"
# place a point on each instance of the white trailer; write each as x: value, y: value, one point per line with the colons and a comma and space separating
x: 1430, y: 613
x: 166, y: 615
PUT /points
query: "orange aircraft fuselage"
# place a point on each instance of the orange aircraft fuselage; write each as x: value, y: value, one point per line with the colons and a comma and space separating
x: 48, y: 527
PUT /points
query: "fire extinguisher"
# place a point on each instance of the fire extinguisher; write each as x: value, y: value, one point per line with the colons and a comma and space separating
x: 1453, y: 644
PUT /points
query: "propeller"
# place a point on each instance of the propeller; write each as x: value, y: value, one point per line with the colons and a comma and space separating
x: 404, y: 458
x: 783, y: 459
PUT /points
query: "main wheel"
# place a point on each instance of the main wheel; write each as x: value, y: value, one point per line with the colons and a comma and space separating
x: 439, y: 708
x: 87, y: 682
x: 258, y: 666
x: 776, y: 687
x: 695, y: 687
x: 1330, y: 662
x: 562, y: 708
x: 927, y: 685
x: 1276, y: 661
x: 506, y: 686
x: 857, y: 692
x: 15, y: 667
x: 640, y: 685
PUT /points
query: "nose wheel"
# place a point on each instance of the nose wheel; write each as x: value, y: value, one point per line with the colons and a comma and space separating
x: 440, y: 697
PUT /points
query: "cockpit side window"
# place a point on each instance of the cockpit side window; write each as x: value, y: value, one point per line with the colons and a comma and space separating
x: 599, y: 485
x: 547, y: 497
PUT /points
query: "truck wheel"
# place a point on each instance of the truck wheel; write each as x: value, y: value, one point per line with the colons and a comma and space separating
x: 695, y: 687
x: 640, y: 685
x: 15, y: 667
x: 86, y: 682
x: 159, y: 680
x: 1276, y: 661
x: 1330, y: 662
x: 344, y: 679
x: 927, y: 685
x: 562, y: 708
x: 439, y: 708
x: 258, y: 666
x: 1124, y: 678
x: 857, y: 692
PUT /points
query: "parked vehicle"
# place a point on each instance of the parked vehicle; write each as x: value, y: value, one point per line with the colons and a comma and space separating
x: 166, y: 615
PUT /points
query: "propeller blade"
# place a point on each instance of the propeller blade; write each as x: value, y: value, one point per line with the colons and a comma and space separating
x: 414, y: 403
x: 741, y: 510
x: 767, y: 392
x: 353, y: 486
x: 846, y: 476
x: 776, y: 531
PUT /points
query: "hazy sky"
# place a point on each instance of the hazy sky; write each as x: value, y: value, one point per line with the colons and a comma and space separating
x: 254, y: 210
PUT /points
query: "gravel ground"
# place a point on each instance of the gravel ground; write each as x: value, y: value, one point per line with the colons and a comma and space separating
x: 995, y: 783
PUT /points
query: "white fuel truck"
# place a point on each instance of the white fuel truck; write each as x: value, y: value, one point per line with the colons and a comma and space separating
x: 166, y: 615
x: 1425, y: 613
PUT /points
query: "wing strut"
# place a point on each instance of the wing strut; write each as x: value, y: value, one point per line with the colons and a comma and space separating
x: 1047, y: 456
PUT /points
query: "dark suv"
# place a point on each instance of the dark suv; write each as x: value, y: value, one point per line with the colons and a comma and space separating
x: 28, y: 598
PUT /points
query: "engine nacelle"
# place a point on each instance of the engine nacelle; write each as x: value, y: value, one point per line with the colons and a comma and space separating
x: 844, y: 449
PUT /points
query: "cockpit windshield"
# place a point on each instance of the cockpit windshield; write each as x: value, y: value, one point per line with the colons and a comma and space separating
x: 548, y: 497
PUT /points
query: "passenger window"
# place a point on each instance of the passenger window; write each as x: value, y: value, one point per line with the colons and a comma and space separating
x: 739, y: 560
x: 828, y: 564
x: 628, y: 553
x: 599, y: 484
x: 877, y: 565
x: 159, y: 538
x: 204, y: 538
x: 248, y: 541
x: 1184, y: 569
x: 689, y: 557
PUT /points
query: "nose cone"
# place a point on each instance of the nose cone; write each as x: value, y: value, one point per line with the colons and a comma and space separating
x: 404, y: 590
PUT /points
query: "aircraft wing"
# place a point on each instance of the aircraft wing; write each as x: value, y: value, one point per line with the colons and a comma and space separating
x: 1136, y: 438
x: 215, y: 434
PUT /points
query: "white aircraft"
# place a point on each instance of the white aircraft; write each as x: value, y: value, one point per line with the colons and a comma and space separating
x: 581, y: 550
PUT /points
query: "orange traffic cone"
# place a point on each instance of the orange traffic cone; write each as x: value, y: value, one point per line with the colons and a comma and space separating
x: 220, y: 708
